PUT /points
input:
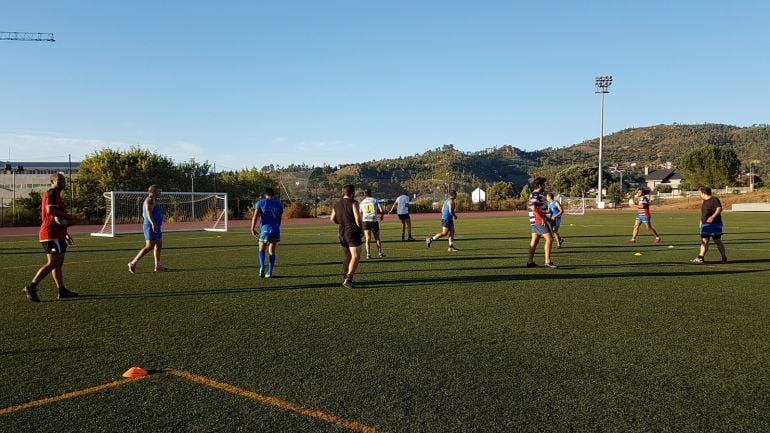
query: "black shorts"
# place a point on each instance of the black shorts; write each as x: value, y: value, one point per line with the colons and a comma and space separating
x: 403, y: 216
x: 374, y: 226
x: 350, y: 237
x: 56, y: 246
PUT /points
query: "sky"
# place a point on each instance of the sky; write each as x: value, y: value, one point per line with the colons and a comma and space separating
x: 250, y: 83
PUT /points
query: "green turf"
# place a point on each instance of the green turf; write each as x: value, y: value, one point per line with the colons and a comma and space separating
x: 429, y: 341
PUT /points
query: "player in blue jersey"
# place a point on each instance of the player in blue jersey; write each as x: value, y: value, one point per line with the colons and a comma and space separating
x: 153, y: 236
x: 539, y: 221
x: 555, y: 211
x: 269, y: 212
x: 448, y: 217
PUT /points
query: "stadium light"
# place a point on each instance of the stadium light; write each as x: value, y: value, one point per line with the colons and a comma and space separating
x: 751, y: 173
x: 602, y: 87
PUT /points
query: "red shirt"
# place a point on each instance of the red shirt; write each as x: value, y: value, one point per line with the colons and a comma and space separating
x: 49, y: 230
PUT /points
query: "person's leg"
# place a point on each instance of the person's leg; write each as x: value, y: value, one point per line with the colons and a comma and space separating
x: 148, y: 246
x: 156, y: 254
x: 533, y: 247
x: 451, y: 238
x: 367, y: 241
x: 547, y: 247
x: 721, y: 248
x: 45, y: 269
x: 346, y: 260
x: 403, y: 230
x: 409, y: 226
x: 57, y: 273
x: 635, y: 233
x: 378, y: 242
x: 271, y: 247
x: 704, y: 247
x: 355, y: 256
x: 650, y: 228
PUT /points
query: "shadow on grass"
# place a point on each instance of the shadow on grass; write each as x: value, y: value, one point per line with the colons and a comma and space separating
x: 47, y: 350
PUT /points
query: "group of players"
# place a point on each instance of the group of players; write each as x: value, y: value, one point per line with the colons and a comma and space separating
x: 358, y: 225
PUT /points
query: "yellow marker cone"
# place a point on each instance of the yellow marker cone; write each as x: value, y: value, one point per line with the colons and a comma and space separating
x: 135, y: 371
x: 671, y: 246
x: 637, y: 254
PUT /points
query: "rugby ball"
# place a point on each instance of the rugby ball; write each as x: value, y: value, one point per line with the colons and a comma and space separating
x: 62, y: 221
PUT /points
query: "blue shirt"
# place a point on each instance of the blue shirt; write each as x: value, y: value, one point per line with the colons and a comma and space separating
x: 446, y: 212
x: 157, y: 214
x: 270, y: 211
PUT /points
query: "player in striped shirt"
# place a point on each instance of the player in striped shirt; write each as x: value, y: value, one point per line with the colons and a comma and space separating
x: 643, y: 216
x: 539, y: 220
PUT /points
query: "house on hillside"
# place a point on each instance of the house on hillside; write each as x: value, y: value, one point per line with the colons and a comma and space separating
x: 669, y: 177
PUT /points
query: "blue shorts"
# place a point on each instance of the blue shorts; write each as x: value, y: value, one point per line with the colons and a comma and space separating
x: 644, y: 219
x: 711, y: 231
x: 448, y: 223
x: 150, y: 235
x: 540, y: 230
x: 556, y: 223
x: 270, y: 233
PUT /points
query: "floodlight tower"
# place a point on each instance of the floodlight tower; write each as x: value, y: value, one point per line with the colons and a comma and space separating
x: 602, y: 87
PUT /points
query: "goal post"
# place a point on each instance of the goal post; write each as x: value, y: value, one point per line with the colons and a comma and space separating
x: 182, y: 211
x: 573, y: 205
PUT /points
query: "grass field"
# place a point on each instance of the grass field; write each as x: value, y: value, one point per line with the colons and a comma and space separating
x: 429, y: 341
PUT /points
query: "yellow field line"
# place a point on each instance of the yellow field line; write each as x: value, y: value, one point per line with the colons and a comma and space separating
x: 66, y: 396
x: 274, y: 401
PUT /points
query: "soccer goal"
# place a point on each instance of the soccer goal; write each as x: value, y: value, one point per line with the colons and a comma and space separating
x: 181, y: 211
x: 573, y: 205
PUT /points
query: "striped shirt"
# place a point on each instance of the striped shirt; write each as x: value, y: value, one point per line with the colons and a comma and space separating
x: 537, y: 200
x: 644, y: 210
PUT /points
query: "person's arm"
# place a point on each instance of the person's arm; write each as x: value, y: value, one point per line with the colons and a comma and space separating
x: 395, y: 203
x: 357, y: 213
x: 714, y: 215
x: 381, y: 210
x: 561, y: 210
x: 254, y: 221
x: 148, y: 205
x: 452, y: 206
x: 333, y: 217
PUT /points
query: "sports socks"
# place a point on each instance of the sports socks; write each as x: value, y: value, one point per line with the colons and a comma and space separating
x: 272, y: 262
x: 262, y: 259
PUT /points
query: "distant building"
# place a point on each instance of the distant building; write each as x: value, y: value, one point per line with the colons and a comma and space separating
x: 669, y: 177
x: 18, y: 179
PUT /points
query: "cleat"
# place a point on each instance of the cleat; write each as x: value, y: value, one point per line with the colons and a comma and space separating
x: 368, y: 256
x: 411, y: 239
x: 531, y: 264
x: 428, y: 241
x: 132, y: 267
x: 724, y: 259
x: 632, y: 241
x: 347, y: 282
x: 66, y: 294
x: 452, y: 249
x: 261, y: 272
x: 269, y: 275
x: 382, y: 255
x: 697, y: 261
x: 160, y: 268
x: 551, y: 265
x: 558, y: 246
x: 31, y: 293
x: 656, y: 241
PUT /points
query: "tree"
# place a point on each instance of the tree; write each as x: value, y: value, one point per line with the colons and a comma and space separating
x: 498, y: 192
x: 576, y: 180
x: 711, y: 165
x: 525, y: 192
x: 614, y: 193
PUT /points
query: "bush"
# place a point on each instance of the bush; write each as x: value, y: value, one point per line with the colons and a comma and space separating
x: 296, y: 210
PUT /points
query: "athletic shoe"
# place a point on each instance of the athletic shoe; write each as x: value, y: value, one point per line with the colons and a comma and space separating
x: 632, y: 241
x: 411, y: 239
x: 348, y: 283
x: 452, y: 249
x: 551, y: 265
x: 261, y: 272
x: 65, y: 294
x: 368, y: 256
x: 558, y: 246
x: 161, y: 268
x: 31, y: 293
x: 656, y: 241
x: 697, y: 261
x: 724, y: 259
x: 268, y: 275
x: 382, y: 255
x: 132, y: 267
x: 531, y: 264
x: 428, y: 241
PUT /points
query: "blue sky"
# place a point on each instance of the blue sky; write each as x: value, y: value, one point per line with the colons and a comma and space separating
x: 252, y: 83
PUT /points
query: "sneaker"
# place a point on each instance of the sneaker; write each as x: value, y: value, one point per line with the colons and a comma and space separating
x: 269, y: 275
x: 452, y: 249
x: 551, y: 265
x: 132, y: 267
x: 348, y: 283
x: 697, y: 261
x: 65, y: 294
x: 428, y: 241
x: 161, y: 268
x: 382, y: 255
x: 656, y: 241
x: 558, y: 246
x: 531, y: 264
x: 632, y: 241
x: 411, y: 239
x: 724, y: 259
x: 31, y: 293
x: 261, y: 272
x: 368, y: 256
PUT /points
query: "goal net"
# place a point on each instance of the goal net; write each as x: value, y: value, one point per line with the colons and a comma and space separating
x: 181, y: 211
x: 573, y: 205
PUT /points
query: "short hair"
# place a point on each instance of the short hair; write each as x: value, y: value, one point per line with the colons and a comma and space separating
x: 549, y: 195
x: 349, y: 190
x: 152, y: 188
x: 269, y: 192
x: 56, y: 176
x: 705, y: 190
x: 368, y: 192
x: 642, y: 190
x: 538, y: 182
x: 453, y: 193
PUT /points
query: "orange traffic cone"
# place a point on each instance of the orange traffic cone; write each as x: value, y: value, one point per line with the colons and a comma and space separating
x: 134, y: 372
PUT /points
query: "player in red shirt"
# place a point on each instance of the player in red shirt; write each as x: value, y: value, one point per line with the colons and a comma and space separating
x: 54, y: 239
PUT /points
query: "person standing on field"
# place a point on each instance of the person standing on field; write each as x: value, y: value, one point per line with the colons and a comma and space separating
x: 269, y: 212
x: 401, y: 205
x: 370, y: 209
x: 710, y: 225
x: 54, y: 238
x: 539, y: 221
x: 153, y: 236
x: 448, y: 217
x: 643, y: 216
x: 347, y: 215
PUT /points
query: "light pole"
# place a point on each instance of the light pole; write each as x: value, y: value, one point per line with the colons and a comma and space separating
x: 751, y: 173
x: 192, y: 189
x: 602, y: 87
